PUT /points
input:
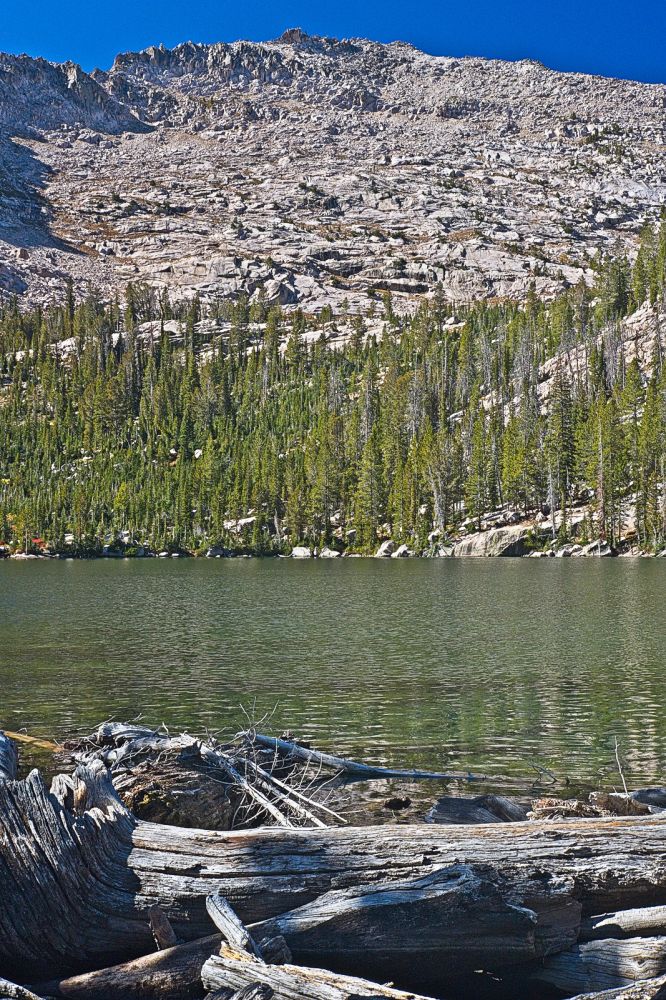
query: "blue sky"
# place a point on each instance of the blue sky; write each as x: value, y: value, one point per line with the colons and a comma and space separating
x: 611, y: 37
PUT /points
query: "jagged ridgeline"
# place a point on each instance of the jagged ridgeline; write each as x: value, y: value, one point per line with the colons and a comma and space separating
x: 142, y: 425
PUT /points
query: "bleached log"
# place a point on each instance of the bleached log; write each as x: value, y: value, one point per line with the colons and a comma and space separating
x: 255, y: 991
x: 233, y: 930
x: 354, y: 768
x: 646, y: 989
x: 605, y: 964
x: 643, y: 922
x: 291, y: 982
x: 459, y: 917
x: 12, y: 991
x: 82, y: 876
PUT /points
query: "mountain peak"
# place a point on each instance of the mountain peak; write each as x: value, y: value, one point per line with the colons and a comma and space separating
x: 294, y: 36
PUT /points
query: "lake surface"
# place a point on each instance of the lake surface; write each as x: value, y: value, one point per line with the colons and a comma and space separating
x: 497, y: 665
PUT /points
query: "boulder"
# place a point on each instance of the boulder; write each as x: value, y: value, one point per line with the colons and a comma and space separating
x: 327, y: 553
x: 217, y: 552
x: 597, y: 548
x: 301, y: 552
x: 569, y: 550
x: 506, y: 541
x: 386, y: 549
x: 402, y: 552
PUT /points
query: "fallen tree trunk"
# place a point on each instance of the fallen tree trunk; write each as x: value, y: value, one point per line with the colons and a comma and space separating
x: 83, y: 873
x: 646, y: 921
x: 173, y: 972
x: 291, y: 982
x: 354, y: 768
x: 646, y: 989
x: 11, y: 991
x: 460, y: 917
x: 606, y: 964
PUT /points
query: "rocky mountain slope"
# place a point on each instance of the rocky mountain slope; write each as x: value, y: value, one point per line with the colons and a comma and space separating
x: 309, y: 170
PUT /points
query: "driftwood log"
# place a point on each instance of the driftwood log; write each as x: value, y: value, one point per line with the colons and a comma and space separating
x: 188, y: 781
x: 480, y: 809
x: 84, y: 873
x: 646, y: 921
x: 233, y: 968
x: 11, y: 991
x: 646, y: 989
x: 354, y: 769
x: 174, y: 972
x: 604, y: 964
x: 579, y: 903
x: 459, y: 917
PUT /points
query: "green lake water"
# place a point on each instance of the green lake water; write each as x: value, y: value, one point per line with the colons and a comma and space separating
x: 496, y: 665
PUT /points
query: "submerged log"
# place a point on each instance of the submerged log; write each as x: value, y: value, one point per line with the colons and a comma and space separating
x: 480, y: 809
x: 83, y: 873
x: 291, y: 982
x: 353, y: 768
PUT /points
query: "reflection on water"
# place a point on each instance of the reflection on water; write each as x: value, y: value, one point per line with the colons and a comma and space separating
x: 495, y: 665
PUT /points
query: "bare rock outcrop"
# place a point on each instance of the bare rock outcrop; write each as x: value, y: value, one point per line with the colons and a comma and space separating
x: 312, y: 171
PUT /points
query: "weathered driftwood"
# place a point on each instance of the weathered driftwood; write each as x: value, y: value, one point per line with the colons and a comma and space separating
x: 605, y: 964
x: 480, y: 809
x: 188, y: 781
x: 233, y: 930
x: 174, y: 972
x: 160, y: 925
x: 8, y: 758
x: 353, y: 768
x: 11, y: 991
x: 460, y: 917
x: 646, y: 989
x: 640, y: 803
x: 646, y: 921
x: 291, y: 982
x: 83, y: 873
x: 255, y: 991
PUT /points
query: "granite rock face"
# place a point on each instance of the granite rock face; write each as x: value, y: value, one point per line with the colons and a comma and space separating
x: 509, y: 541
x: 308, y: 171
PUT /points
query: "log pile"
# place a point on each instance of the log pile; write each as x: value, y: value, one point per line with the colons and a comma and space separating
x: 98, y: 903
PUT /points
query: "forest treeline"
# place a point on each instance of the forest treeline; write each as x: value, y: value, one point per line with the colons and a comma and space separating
x: 106, y: 433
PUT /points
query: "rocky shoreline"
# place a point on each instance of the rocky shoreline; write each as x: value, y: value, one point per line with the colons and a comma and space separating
x: 516, y: 542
